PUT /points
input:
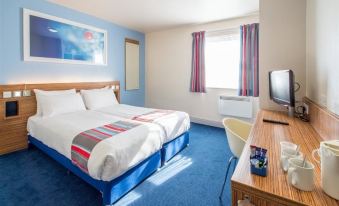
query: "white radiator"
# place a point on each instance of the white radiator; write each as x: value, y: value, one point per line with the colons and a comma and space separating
x: 236, y: 106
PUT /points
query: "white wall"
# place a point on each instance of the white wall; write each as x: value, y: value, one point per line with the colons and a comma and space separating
x: 282, y: 44
x: 323, y: 52
x: 168, y: 70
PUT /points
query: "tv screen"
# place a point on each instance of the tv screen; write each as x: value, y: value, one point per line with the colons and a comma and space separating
x: 281, y: 85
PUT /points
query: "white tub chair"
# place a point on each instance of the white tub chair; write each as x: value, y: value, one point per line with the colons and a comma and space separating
x: 237, y: 132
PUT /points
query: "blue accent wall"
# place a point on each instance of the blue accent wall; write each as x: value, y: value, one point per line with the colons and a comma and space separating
x: 1, y: 31
x: 14, y: 70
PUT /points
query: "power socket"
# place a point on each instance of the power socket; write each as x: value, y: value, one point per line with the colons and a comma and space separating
x: 6, y: 94
x: 336, y: 107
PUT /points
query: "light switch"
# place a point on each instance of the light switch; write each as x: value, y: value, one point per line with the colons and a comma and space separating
x: 6, y: 94
x: 16, y: 93
x: 26, y: 93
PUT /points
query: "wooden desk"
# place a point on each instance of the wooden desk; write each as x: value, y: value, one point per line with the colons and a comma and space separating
x: 274, y: 189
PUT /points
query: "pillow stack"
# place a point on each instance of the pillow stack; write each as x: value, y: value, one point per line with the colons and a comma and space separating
x: 51, y: 103
x: 98, y: 98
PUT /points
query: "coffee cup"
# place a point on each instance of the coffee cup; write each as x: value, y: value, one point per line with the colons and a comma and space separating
x: 301, y: 174
x: 286, y: 154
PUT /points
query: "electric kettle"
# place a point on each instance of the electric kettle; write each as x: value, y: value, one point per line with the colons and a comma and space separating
x: 329, y: 160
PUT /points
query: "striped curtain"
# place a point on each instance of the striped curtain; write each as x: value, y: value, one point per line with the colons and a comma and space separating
x: 249, y: 60
x: 198, y: 63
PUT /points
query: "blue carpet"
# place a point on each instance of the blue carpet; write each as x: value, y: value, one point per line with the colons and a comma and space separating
x: 193, y: 177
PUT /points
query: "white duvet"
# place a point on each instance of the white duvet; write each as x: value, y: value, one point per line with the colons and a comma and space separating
x: 111, y: 157
x: 173, y: 124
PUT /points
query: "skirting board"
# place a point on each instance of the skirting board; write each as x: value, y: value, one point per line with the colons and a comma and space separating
x: 216, y: 123
x: 207, y: 122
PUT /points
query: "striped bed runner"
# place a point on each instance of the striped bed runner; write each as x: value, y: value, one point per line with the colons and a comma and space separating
x: 151, y: 116
x: 84, y: 142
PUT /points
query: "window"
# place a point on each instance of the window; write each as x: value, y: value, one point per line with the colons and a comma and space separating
x: 222, y: 56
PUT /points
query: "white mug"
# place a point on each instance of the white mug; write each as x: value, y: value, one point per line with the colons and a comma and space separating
x: 299, y: 175
x: 329, y: 156
x: 286, y: 154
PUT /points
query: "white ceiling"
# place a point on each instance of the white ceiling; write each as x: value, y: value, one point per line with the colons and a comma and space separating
x: 154, y: 15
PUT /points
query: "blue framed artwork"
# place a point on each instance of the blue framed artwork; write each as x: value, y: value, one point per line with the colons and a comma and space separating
x: 52, y: 39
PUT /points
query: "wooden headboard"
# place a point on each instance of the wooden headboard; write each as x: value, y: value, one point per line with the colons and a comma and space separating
x: 13, y: 132
x: 61, y: 86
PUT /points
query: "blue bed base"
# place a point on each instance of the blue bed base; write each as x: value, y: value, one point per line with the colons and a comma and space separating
x: 115, y: 189
x: 170, y: 149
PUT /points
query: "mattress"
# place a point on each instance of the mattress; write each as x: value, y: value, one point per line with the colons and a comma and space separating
x: 173, y: 124
x: 111, y: 157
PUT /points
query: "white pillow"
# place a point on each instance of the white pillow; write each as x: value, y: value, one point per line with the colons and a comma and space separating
x: 39, y: 93
x: 61, y: 104
x: 98, y: 98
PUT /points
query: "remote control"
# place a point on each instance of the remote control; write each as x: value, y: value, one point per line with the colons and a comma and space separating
x: 275, y: 121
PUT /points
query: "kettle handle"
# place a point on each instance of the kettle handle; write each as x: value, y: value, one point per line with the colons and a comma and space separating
x: 316, y: 151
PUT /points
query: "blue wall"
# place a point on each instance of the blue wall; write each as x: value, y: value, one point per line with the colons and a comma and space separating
x: 1, y: 31
x: 14, y: 70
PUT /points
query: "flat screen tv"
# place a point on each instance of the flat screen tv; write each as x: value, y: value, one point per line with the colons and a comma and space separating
x: 281, y: 86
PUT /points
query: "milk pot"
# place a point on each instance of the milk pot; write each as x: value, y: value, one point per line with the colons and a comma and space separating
x: 329, y: 160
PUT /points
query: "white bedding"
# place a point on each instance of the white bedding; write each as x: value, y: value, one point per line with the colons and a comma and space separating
x: 173, y: 124
x: 123, y: 151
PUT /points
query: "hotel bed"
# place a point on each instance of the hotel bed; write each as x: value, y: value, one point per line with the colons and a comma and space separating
x: 175, y: 124
x: 111, y: 146
x: 110, y: 157
x: 115, y: 164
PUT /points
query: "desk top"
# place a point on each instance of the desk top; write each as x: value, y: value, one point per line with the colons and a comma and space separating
x: 268, y: 135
